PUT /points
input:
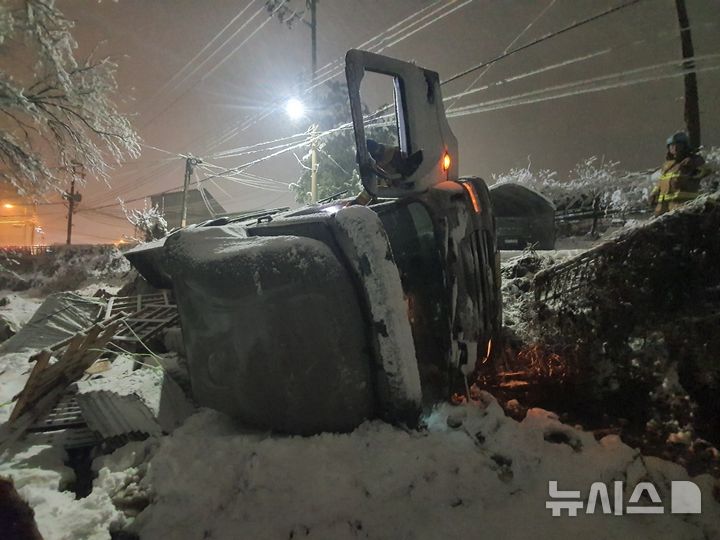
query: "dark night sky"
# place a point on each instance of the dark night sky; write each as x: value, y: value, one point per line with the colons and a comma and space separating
x: 155, y: 39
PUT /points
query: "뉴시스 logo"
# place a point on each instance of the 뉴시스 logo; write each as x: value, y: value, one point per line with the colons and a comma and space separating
x: 685, y: 498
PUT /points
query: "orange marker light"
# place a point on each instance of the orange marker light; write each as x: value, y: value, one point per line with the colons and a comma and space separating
x: 8, y: 205
x: 473, y: 196
x: 446, y: 162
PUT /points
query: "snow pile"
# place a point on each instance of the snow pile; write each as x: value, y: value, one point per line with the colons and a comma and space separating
x: 40, y: 477
x: 63, y: 268
x: 14, y: 372
x: 18, y: 308
x: 711, y: 183
x: 488, y: 473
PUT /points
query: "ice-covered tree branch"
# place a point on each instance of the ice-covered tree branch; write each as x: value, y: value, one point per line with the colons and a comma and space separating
x: 59, y: 111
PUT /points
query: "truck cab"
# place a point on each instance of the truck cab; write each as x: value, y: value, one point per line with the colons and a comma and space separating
x: 319, y: 318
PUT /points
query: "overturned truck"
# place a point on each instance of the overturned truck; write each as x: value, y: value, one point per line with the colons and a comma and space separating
x: 319, y: 318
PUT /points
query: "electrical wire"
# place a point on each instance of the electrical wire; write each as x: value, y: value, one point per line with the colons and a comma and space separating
x: 199, y: 54
x: 546, y: 37
x: 509, y: 46
x: 576, y: 89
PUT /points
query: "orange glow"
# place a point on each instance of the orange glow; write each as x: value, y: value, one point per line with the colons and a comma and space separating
x: 539, y: 362
x: 489, y: 350
x: 8, y: 205
x: 446, y: 162
x: 473, y: 196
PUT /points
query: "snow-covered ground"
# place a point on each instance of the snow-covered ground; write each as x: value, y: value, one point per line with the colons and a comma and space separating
x: 471, y: 471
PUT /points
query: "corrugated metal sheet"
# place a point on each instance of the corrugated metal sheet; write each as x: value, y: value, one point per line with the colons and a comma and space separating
x: 112, y: 415
x: 78, y: 437
x: 63, y: 426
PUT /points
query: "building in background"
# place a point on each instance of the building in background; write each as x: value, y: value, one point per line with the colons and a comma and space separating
x: 19, y: 225
x: 201, y: 206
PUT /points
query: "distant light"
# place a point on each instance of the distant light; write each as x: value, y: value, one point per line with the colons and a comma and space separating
x: 8, y: 205
x: 295, y: 109
x: 446, y: 162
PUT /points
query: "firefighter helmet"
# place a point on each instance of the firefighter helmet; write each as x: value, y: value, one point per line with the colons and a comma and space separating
x: 678, y: 138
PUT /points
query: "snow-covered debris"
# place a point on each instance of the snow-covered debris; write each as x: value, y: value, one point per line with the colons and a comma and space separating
x: 60, y: 316
x: 631, y: 322
x: 146, y: 401
x: 489, y: 474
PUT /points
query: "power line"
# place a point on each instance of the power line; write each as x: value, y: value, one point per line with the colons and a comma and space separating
x: 543, y: 38
x: 236, y: 49
x: 575, y: 89
x: 515, y: 40
x: 399, y: 36
x: 191, y: 87
x: 285, y: 148
x: 205, y: 48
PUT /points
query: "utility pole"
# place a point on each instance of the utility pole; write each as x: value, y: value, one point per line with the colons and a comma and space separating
x: 692, y: 107
x: 72, y: 198
x: 190, y: 163
x: 313, y: 164
x: 312, y: 4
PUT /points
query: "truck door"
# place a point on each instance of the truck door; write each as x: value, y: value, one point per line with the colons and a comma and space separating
x: 424, y: 139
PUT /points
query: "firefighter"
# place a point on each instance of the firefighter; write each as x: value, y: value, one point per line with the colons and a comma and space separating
x: 680, y: 175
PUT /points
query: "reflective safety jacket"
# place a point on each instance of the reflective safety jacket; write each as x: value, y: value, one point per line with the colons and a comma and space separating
x: 679, y: 182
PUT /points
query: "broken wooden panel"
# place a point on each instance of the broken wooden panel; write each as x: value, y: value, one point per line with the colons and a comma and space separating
x: 133, y: 304
x: 138, y: 328
x: 47, y: 382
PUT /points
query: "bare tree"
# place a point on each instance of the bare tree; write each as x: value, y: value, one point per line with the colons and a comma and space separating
x: 55, y: 111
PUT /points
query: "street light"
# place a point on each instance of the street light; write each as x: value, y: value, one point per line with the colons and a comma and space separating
x: 295, y: 109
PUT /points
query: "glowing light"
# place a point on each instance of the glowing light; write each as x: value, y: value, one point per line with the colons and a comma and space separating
x: 8, y: 205
x: 473, y: 196
x: 446, y: 162
x: 295, y: 108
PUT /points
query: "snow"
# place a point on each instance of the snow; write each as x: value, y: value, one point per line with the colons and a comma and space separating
x: 14, y: 372
x: 490, y: 474
x: 381, y: 281
x: 40, y: 477
x: 591, y: 177
x: 20, y: 307
x: 470, y: 472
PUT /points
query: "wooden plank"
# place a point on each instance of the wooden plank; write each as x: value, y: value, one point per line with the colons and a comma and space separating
x: 48, y: 382
x: 109, y: 309
x: 41, y: 363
